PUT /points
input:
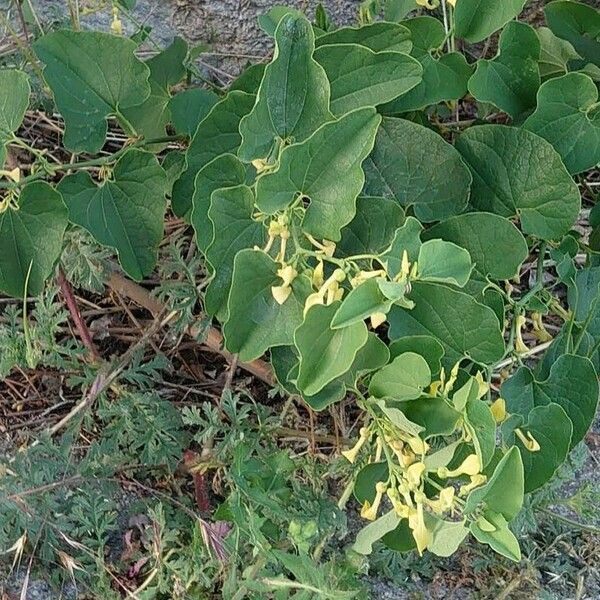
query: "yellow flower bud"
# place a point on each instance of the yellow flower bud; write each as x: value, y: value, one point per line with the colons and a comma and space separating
x: 414, y: 474
x: 469, y: 466
x: 452, y: 3
x: 539, y: 331
x: 260, y: 165
x: 15, y: 174
x: 281, y: 293
x: 401, y: 509
x: 520, y: 346
x: 312, y: 300
x: 328, y: 248
x: 483, y: 385
x: 417, y: 445
x: 404, y: 265
x: 528, y: 440
x: 318, y: 278
x: 351, y: 454
x: 453, y: 377
x: 420, y: 533
x: 117, y: 25
x: 377, y: 319
x: 498, y: 409
x: 369, y: 511
x: 288, y: 274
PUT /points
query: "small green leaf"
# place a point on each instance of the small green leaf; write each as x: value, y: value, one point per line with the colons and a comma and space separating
x: 475, y: 20
x: 503, y: 493
x: 511, y: 79
x: 407, y: 238
x: 446, y: 536
x: 444, y: 262
x: 373, y: 227
x: 374, y: 531
x: 256, y: 321
x: 568, y: 116
x: 465, y: 328
x: 14, y: 100
x: 572, y: 384
x: 425, y: 345
x: 378, y: 36
x: 293, y: 98
x: 444, y: 78
x: 481, y: 425
x: 435, y: 415
x: 501, y: 539
x: 224, y: 171
x: 555, y: 54
x: 483, y: 235
x: 415, y: 166
x: 404, y: 378
x: 360, y: 303
x: 126, y: 212
x: 584, y: 300
x: 325, y: 353
x: 189, y: 108
x: 231, y: 215
x: 360, y: 77
x: 93, y: 76
x: 312, y: 169
x: 366, y: 480
x: 218, y: 133
x: 31, y: 237
x: 516, y: 172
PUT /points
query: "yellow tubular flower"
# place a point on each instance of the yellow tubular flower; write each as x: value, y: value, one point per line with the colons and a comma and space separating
x: 369, y: 511
x: 318, y: 278
x: 414, y: 474
x: 452, y: 379
x: 117, y: 25
x: 476, y: 481
x: 528, y: 440
x: 351, y: 454
x: 483, y: 385
x: 470, y: 466
x: 444, y: 503
x: 417, y: 445
x: 416, y: 522
x: 377, y: 319
x: 404, y: 265
x: 400, y: 509
x: 15, y: 174
x: 539, y: 330
x: 498, y: 409
x: 520, y: 346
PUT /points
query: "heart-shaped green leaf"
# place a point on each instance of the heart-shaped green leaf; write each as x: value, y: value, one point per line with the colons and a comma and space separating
x: 93, y: 75
x: 189, y: 108
x: 125, y: 212
x: 474, y: 20
x: 568, y: 116
x: 31, y: 237
x: 444, y: 262
x: 555, y: 54
x: 516, y: 172
x: 404, y: 378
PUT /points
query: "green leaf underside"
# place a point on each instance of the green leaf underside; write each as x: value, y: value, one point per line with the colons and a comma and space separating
x: 92, y: 75
x: 516, y: 172
x: 125, y: 213
x: 31, y: 236
x: 312, y: 169
x: 218, y: 133
x: 293, y: 98
x: 360, y: 77
x: 378, y: 37
x: 400, y: 167
x: 373, y: 227
x: 475, y: 20
x: 224, y: 171
x: 568, y: 116
x: 325, y: 353
x: 374, y: 531
x: 510, y: 80
x: 497, y: 248
x: 572, y: 384
x: 501, y: 540
x: 444, y: 78
x: 231, y: 215
x: 14, y: 100
x: 404, y: 378
x: 256, y: 321
x: 464, y: 327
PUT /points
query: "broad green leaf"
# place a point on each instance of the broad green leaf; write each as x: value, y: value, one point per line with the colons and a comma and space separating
x: 360, y: 77
x: 293, y: 98
x: 231, y: 215
x: 444, y: 78
x: 572, y: 384
x: 579, y: 24
x: 404, y: 378
x: 397, y: 417
x: 464, y: 327
x: 481, y: 425
x: 366, y: 480
x: 218, y: 133
x: 373, y: 227
x: 475, y: 20
x: 568, y: 116
x: 378, y: 36
x: 189, y: 108
x: 257, y: 321
x: 511, y: 79
x: 446, y: 536
x: 14, y: 100
x: 268, y: 21
x: 503, y: 493
x: 93, y: 76
x: 31, y: 239
x: 166, y: 69
x: 325, y: 353
x: 516, y: 172
x: 125, y: 212
x: 416, y: 167
x: 497, y: 248
x: 312, y: 169
x: 224, y: 171
x: 435, y: 415
x: 374, y: 531
x: 501, y: 539
x: 555, y: 54
x: 552, y: 429
x: 444, y: 262
x: 407, y: 238
x: 373, y: 355
x: 424, y: 345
